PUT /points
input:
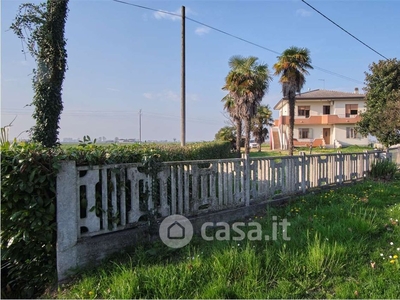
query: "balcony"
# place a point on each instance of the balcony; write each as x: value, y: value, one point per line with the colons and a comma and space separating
x: 319, y: 120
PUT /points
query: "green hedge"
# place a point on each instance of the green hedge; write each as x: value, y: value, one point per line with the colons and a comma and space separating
x: 28, y: 225
x: 28, y: 201
x: 90, y: 153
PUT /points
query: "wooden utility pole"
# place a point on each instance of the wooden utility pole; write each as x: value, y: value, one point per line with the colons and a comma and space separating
x: 183, y: 84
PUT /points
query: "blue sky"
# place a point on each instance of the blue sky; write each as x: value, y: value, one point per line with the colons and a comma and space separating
x: 122, y: 59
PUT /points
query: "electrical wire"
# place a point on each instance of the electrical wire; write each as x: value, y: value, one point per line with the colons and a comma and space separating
x: 343, y: 29
x: 110, y: 114
x: 236, y: 37
x: 149, y: 8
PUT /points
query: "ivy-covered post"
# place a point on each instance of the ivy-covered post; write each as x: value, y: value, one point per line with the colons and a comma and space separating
x: 46, y: 44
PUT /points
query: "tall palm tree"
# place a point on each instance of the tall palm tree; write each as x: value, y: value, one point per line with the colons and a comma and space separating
x: 230, y: 107
x: 259, y: 124
x: 247, y: 82
x: 292, y: 66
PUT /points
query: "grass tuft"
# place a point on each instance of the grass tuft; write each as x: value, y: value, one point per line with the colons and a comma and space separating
x: 344, y: 243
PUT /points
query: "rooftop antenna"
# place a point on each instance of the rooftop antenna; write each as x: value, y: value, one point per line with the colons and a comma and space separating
x: 323, y: 81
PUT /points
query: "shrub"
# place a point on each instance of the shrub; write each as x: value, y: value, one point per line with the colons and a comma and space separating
x: 89, y: 153
x: 28, y: 200
x: 28, y: 228
x: 383, y: 169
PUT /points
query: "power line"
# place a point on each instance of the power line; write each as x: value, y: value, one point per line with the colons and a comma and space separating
x: 236, y: 37
x: 149, y: 8
x: 338, y: 75
x: 343, y: 29
x: 116, y: 114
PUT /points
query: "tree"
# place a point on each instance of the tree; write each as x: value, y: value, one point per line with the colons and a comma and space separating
x: 259, y: 124
x: 292, y: 66
x: 246, y: 83
x: 230, y: 107
x: 382, y: 115
x: 227, y: 134
x: 41, y: 29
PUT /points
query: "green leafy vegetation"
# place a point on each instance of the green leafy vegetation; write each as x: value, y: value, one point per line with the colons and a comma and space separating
x: 292, y: 66
x: 41, y: 29
x: 28, y: 227
x: 28, y: 200
x: 345, y: 243
x: 227, y: 134
x: 383, y: 169
x: 246, y: 83
x: 260, y: 123
x: 351, y: 149
x: 231, y: 108
x: 381, y: 118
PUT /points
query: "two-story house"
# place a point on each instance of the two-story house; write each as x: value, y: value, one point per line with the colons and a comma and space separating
x: 322, y: 117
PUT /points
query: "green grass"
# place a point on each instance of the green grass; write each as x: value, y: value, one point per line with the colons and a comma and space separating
x: 265, y: 151
x: 343, y: 245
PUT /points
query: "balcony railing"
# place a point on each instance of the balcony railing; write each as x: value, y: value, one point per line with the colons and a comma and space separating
x: 321, y: 119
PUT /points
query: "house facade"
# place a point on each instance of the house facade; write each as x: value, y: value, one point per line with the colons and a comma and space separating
x: 322, y: 118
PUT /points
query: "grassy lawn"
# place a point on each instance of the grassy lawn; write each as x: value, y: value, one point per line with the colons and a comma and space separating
x: 265, y: 151
x: 345, y: 243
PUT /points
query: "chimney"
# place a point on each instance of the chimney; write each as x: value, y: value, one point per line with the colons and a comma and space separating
x: 356, y: 90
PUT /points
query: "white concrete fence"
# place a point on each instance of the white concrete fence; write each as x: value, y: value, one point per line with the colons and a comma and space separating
x: 95, y: 201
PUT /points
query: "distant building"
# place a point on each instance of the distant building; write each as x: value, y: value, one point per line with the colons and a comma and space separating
x: 68, y: 140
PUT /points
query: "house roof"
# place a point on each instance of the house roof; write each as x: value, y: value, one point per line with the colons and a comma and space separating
x: 322, y: 95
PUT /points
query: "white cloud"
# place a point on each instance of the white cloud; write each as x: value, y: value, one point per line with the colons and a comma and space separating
x: 303, y: 12
x: 167, y: 95
x: 171, y: 96
x: 148, y: 95
x: 193, y: 98
x: 167, y: 15
x: 112, y: 89
x: 202, y: 30
x: 172, y: 15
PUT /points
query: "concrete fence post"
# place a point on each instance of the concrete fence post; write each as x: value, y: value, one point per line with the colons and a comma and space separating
x: 340, y: 159
x: 397, y: 161
x: 247, y: 179
x: 366, y: 163
x: 67, y: 219
x: 303, y: 172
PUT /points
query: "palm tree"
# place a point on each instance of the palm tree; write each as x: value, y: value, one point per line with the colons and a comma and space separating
x: 259, y: 122
x: 292, y: 66
x: 247, y: 82
x: 230, y: 107
x: 226, y: 134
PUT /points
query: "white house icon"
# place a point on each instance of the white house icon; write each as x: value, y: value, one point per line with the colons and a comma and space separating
x: 176, y: 231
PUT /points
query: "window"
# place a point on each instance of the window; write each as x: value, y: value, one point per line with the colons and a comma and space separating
x: 303, y: 111
x: 351, y: 133
x: 351, y: 110
x: 304, y: 133
x: 326, y: 109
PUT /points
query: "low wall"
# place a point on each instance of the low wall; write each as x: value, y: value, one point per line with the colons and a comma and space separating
x: 102, y: 209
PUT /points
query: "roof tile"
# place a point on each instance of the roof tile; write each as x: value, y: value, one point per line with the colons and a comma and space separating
x: 318, y: 94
